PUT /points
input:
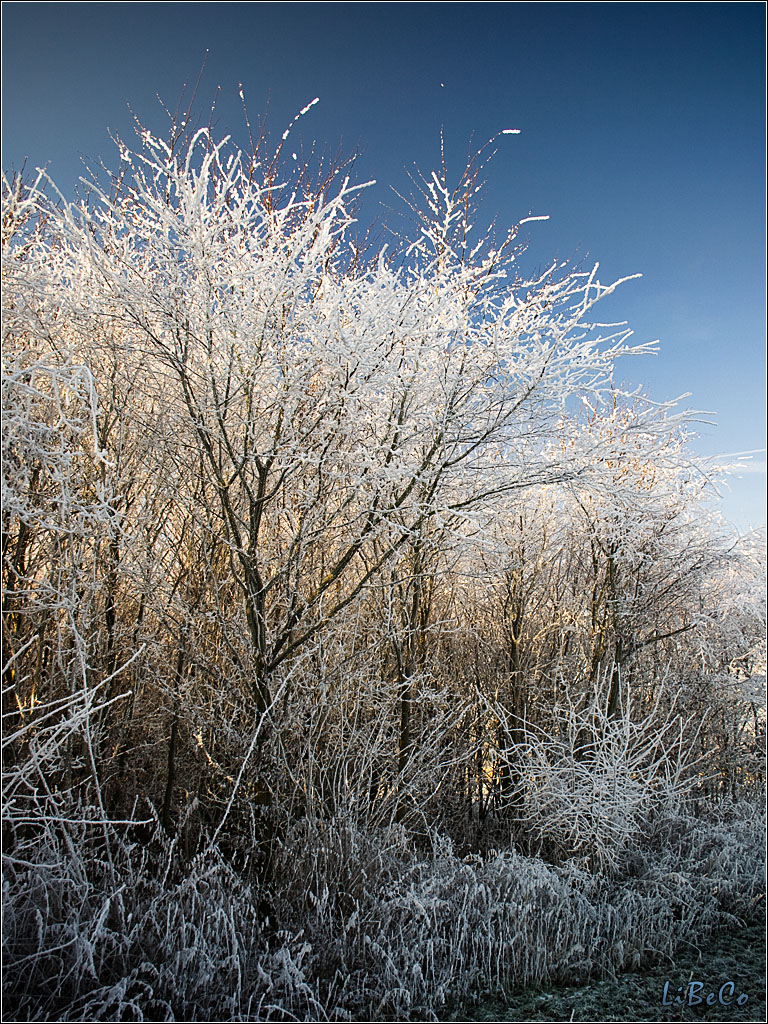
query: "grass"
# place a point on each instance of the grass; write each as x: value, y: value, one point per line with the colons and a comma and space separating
x: 363, y: 926
x: 736, y: 955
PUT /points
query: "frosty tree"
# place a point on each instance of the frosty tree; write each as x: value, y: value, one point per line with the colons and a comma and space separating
x: 328, y: 573
x: 333, y: 407
x: 286, y: 425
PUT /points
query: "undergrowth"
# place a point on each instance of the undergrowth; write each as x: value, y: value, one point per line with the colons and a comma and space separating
x: 100, y: 925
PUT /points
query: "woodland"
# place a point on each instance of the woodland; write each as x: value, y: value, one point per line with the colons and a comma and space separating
x: 366, y: 649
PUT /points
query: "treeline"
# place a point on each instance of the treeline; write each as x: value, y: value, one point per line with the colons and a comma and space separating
x: 309, y: 551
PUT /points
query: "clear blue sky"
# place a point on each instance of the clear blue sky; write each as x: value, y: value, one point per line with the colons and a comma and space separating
x: 643, y: 138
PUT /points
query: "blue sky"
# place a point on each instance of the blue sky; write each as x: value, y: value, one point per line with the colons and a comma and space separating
x: 642, y: 136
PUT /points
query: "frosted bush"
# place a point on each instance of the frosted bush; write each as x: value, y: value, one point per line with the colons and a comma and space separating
x: 592, y: 781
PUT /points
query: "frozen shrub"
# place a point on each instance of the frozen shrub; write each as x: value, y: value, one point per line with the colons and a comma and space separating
x: 592, y: 781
